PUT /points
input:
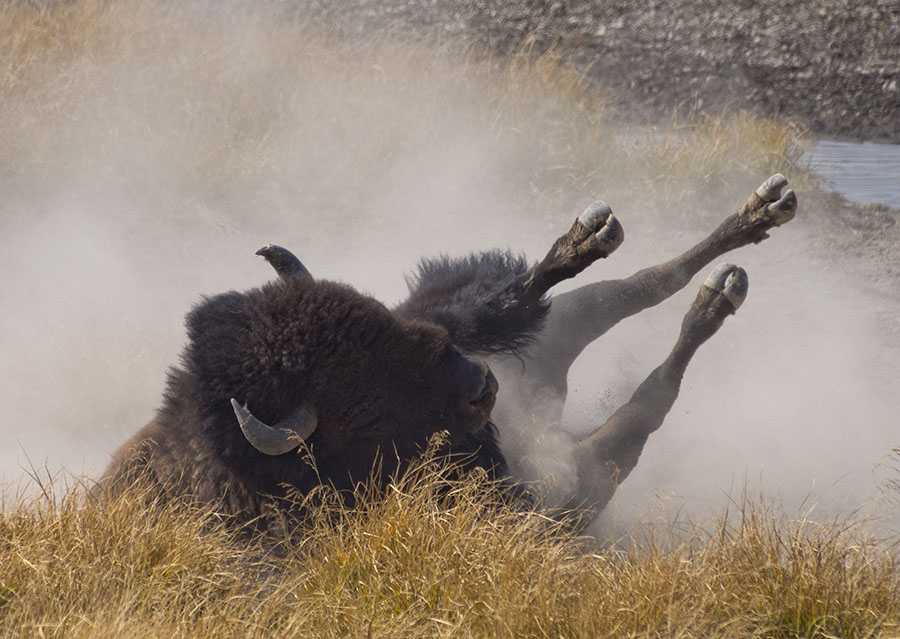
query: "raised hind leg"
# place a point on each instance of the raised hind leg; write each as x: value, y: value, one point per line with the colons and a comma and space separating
x: 493, y: 303
x: 605, y: 458
x: 579, y: 317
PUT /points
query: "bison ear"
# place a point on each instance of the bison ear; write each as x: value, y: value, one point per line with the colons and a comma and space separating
x: 286, y: 435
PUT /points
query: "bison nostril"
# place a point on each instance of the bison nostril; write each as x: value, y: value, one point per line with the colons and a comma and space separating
x: 488, y: 393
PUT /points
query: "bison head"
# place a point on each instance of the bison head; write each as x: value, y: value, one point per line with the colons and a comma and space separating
x: 317, y: 361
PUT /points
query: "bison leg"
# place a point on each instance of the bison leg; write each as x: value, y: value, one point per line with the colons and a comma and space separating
x: 579, y: 317
x: 604, y: 458
x: 492, y: 303
x: 595, y: 234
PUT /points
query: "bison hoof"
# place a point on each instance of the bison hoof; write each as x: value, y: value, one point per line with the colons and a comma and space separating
x: 597, y: 231
x: 720, y: 296
x: 595, y: 215
x: 727, y: 284
x: 766, y: 208
x: 779, y: 209
x: 609, y: 237
x: 784, y: 209
x: 770, y: 190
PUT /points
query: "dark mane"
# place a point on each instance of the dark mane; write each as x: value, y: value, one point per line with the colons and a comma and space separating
x: 457, y: 293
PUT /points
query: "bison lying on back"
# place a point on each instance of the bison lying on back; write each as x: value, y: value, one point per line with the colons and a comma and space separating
x: 306, y: 360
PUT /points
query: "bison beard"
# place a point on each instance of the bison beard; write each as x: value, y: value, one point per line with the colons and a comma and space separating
x: 363, y: 386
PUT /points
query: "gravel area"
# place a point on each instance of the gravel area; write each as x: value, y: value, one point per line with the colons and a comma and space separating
x: 831, y: 65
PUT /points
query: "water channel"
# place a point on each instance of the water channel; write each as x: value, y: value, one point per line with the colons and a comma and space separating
x: 861, y: 171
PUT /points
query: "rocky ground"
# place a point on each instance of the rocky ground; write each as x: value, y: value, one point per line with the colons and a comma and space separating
x: 832, y: 65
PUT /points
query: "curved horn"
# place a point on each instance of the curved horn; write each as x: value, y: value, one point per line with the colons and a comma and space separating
x: 284, y: 262
x: 281, y: 438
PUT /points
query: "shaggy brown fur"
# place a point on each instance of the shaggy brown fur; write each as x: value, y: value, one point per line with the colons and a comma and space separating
x: 380, y: 385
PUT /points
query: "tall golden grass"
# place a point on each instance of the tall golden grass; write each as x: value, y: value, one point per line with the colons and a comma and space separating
x: 432, y: 556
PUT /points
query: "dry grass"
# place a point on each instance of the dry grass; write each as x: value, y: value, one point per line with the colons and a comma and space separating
x: 432, y: 557
x: 710, y: 151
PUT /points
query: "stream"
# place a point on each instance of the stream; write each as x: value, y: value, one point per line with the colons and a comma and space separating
x: 860, y: 171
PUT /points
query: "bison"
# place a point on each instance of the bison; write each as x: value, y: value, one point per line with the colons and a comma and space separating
x: 302, y: 363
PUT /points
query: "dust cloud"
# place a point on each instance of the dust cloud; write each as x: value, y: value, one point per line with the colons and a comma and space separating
x: 794, y: 399
x: 151, y: 149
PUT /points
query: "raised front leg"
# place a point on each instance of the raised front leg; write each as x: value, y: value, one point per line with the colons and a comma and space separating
x: 595, y: 234
x: 605, y: 458
x: 579, y: 317
x: 492, y: 302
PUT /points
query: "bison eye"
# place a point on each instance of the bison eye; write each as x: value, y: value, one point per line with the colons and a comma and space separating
x: 452, y: 351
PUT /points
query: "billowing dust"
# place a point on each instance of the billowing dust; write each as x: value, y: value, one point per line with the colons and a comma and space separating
x: 149, y: 151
